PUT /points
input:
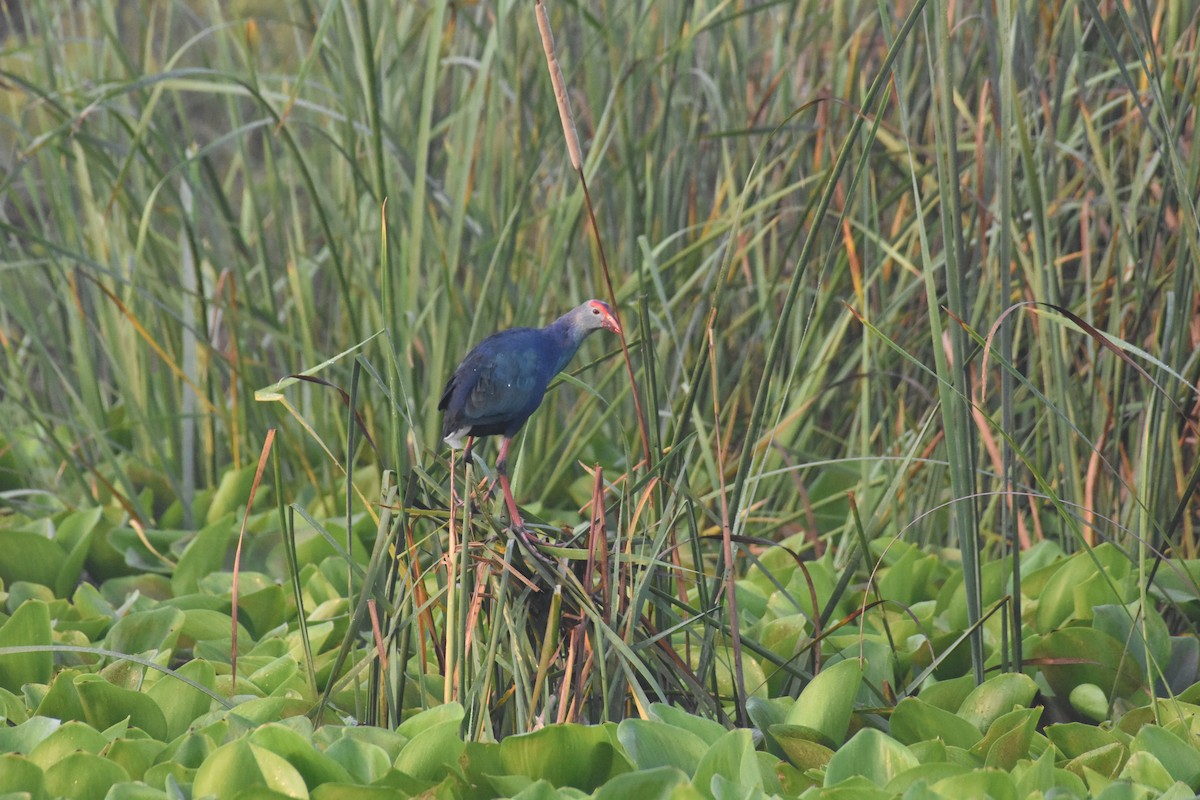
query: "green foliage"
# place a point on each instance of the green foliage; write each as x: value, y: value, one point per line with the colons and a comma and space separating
x: 911, y: 307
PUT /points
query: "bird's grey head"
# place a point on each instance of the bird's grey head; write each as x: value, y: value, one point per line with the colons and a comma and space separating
x: 592, y: 315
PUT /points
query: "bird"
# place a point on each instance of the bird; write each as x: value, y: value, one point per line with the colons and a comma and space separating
x: 502, y: 381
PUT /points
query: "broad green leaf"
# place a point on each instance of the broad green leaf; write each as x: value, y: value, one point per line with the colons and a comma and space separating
x: 1145, y: 633
x: 181, y: 704
x: 1181, y: 759
x: 277, y: 675
x: 1073, y: 656
x: 928, y: 773
x: 432, y: 752
x: 202, y: 624
x: 652, y: 744
x: 706, y: 729
x: 204, y: 554
x: 241, y: 764
x: 431, y: 718
x: 995, y: 697
x: 870, y: 754
x: 827, y: 701
x: 68, y: 738
x: 263, y: 610
x: 1008, y: 738
x: 659, y: 783
x: 914, y: 720
x: 83, y: 776
x: 1089, y: 700
x: 314, y: 766
x: 1084, y: 578
x: 1075, y: 738
x: 732, y: 758
x: 135, y: 756
x: 1041, y: 775
x: 801, y: 745
x: 1105, y: 761
x: 352, y: 791
x: 232, y: 493
x: 992, y: 784
x: 135, y: 791
x: 1144, y: 768
x: 26, y: 556
x: 582, y: 756
x: 75, y: 534
x: 28, y: 626
x: 948, y: 695
x: 24, y: 737
x: 366, y: 762
x: 62, y: 699
x: 19, y: 774
x: 104, y: 705
x: 152, y: 631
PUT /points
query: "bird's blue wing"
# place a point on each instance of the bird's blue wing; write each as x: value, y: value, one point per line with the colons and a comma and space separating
x: 505, y: 383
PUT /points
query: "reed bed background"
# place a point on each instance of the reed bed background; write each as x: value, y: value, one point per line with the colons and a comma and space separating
x: 921, y: 272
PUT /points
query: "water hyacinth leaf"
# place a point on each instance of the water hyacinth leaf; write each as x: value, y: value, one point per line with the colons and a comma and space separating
x: 949, y: 695
x: 1144, y: 768
x: 1104, y: 761
x: 708, y: 730
x: 1104, y: 572
x: 1008, y: 739
x: 313, y: 765
x: 1144, y: 632
x: 582, y: 756
x: 353, y: 791
x: 992, y: 784
x: 1089, y: 701
x: 28, y: 626
x: 19, y: 774
x: 75, y: 535
x: 105, y: 705
x: 433, y: 752
x: 82, y: 775
x: 181, y: 703
x: 653, y: 744
x: 263, y: 610
x: 28, y: 556
x: 870, y: 754
x: 364, y: 761
x: 1181, y: 759
x: 204, y: 554
x: 239, y: 765
x: 1042, y: 775
x: 801, y: 745
x: 206, y: 625
x: 906, y: 581
x: 826, y: 703
x: 70, y: 737
x: 150, y: 631
x: 1074, y: 738
x: 732, y: 758
x: 231, y: 494
x: 135, y: 756
x: 926, y: 773
x: 914, y: 720
x: 659, y: 783
x: 1073, y: 656
x: 23, y: 737
x: 995, y: 697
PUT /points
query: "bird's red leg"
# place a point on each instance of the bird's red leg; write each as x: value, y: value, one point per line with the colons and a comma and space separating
x: 514, y: 514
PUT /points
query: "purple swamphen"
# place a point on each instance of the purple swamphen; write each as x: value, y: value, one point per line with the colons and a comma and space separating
x: 502, y: 380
